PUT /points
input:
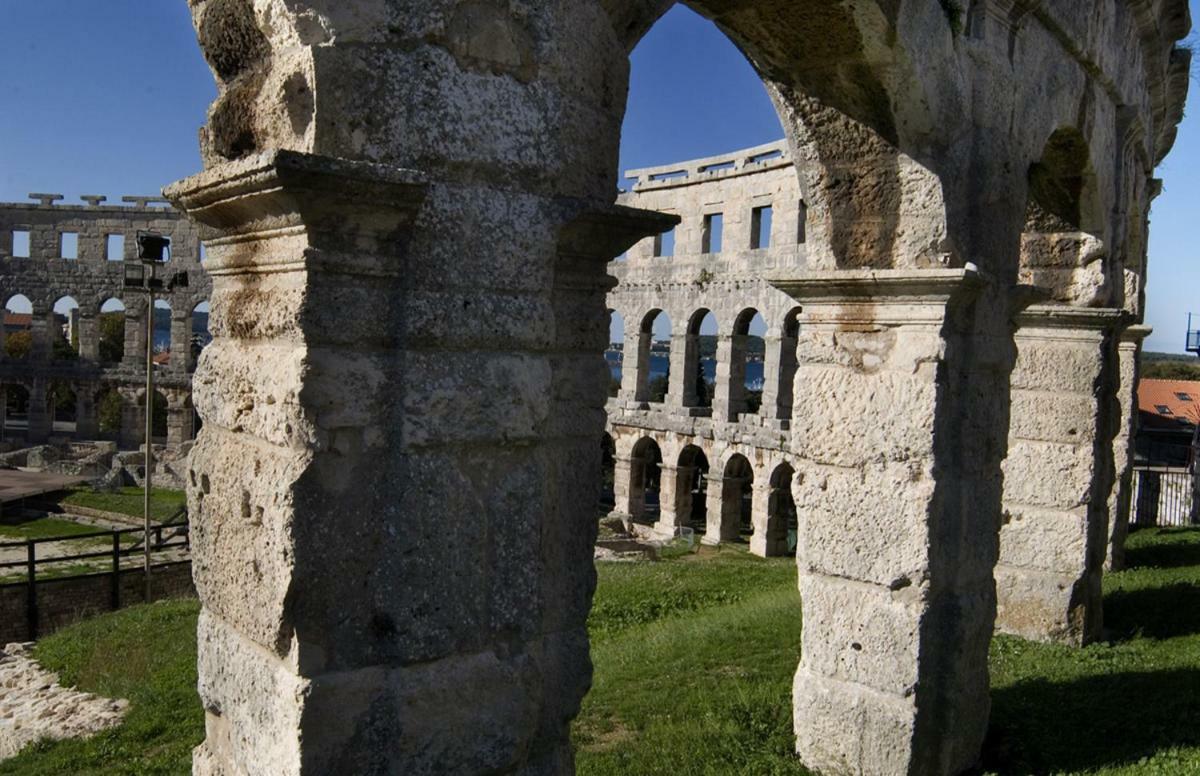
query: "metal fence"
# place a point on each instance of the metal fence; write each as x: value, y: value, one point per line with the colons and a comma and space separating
x: 1162, y: 497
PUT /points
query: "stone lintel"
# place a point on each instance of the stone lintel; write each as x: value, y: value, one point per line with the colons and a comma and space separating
x: 288, y: 193
x: 1065, y: 319
x: 604, y: 233
x: 1133, y: 336
x: 878, y: 297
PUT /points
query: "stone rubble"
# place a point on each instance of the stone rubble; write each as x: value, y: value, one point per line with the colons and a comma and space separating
x: 33, y: 705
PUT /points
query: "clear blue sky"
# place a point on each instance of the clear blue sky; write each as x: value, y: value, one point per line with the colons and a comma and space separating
x: 106, y: 96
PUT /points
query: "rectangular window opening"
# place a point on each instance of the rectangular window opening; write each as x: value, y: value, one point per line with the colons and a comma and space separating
x: 766, y: 157
x: 664, y: 244
x: 114, y: 247
x: 20, y: 249
x: 1163, y: 409
x: 714, y: 231
x: 718, y: 166
x: 802, y: 224
x: 69, y: 245
x: 760, y: 227
x: 1183, y: 396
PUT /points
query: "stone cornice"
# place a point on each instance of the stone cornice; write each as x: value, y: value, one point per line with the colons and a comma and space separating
x: 1066, y: 317
x: 871, y: 297
x: 358, y: 210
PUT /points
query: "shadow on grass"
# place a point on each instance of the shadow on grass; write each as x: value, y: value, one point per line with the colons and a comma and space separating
x: 1157, y: 613
x: 1040, y: 726
x: 1182, y: 550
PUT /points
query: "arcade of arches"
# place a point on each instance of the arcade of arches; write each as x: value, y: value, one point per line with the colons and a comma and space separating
x: 430, y: 159
x: 73, y: 343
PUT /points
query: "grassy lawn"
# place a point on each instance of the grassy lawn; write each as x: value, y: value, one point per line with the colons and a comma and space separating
x: 42, y: 528
x: 146, y: 654
x: 127, y: 501
x: 693, y: 665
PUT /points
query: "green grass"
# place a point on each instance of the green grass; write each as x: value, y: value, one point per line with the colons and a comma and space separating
x: 146, y: 654
x: 42, y: 528
x: 693, y: 666
x: 127, y: 501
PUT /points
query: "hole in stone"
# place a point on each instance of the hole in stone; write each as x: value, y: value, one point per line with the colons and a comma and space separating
x: 856, y: 647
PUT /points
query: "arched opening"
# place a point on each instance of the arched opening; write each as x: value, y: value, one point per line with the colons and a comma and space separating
x: 200, y: 336
x: 781, y: 525
x: 111, y: 347
x: 747, y: 353
x: 16, y: 409
x: 692, y: 485
x: 162, y: 333
x: 700, y: 363
x: 608, y: 466
x: 654, y: 357
x: 158, y: 427
x: 737, y: 495
x: 1062, y: 246
x: 64, y: 330
x: 109, y: 406
x: 18, y: 327
x: 614, y: 354
x: 645, y: 474
x: 789, y: 364
x: 62, y: 404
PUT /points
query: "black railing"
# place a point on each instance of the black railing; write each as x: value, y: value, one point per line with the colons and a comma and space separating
x: 1162, y: 497
x: 165, y: 537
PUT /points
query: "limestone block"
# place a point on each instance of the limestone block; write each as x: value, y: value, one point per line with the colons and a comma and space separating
x: 1044, y: 474
x: 1053, y: 416
x: 1045, y: 539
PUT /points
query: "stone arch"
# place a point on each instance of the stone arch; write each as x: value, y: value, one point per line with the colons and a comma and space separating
x: 160, y: 407
x: 857, y: 107
x: 698, y: 387
x: 64, y: 328
x: 645, y: 462
x: 198, y: 332
x: 779, y: 392
x: 17, y: 395
x: 1063, y: 251
x: 774, y: 535
x: 733, y: 499
x: 62, y: 402
x: 746, y: 363
x: 654, y: 357
x: 110, y: 346
x: 18, y: 327
x: 110, y: 411
x: 691, y: 499
x: 614, y: 354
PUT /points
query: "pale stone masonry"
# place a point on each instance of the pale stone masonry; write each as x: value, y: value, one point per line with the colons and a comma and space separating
x: 410, y: 208
x: 100, y: 237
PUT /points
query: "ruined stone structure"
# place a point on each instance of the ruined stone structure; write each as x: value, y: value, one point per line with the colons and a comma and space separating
x: 713, y: 449
x: 50, y: 251
x: 394, y: 520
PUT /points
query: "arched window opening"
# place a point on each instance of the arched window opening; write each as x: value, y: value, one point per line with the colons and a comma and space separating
x: 789, y: 364
x: 18, y: 327
x: 692, y: 483
x: 608, y: 466
x: 16, y: 410
x: 200, y: 336
x: 111, y: 347
x: 781, y: 514
x: 614, y: 355
x: 656, y: 341
x: 737, y: 493
x: 61, y: 401
x: 700, y: 360
x: 109, y: 406
x: 158, y: 428
x: 162, y: 333
x: 747, y: 358
x: 64, y: 330
x: 645, y: 474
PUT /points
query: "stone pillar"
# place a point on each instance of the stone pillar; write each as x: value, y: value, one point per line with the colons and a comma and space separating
x: 1129, y: 350
x: 40, y: 333
x: 674, y: 498
x: 89, y: 337
x: 87, y: 421
x: 39, y: 412
x: 640, y: 378
x: 133, y: 424
x: 181, y: 342
x: 761, y: 542
x: 714, y: 506
x: 730, y: 392
x: 681, y: 388
x: 179, y: 425
x: 779, y: 368
x: 1058, y: 474
x: 135, y: 333
x: 627, y: 488
x: 434, y: 620
x: 898, y: 504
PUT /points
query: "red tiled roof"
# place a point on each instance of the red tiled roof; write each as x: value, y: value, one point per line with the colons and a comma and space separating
x: 1179, y: 398
x: 18, y: 320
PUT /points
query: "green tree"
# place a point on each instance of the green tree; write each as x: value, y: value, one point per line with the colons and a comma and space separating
x: 18, y: 344
x: 1170, y: 370
x: 112, y: 337
x: 109, y: 411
